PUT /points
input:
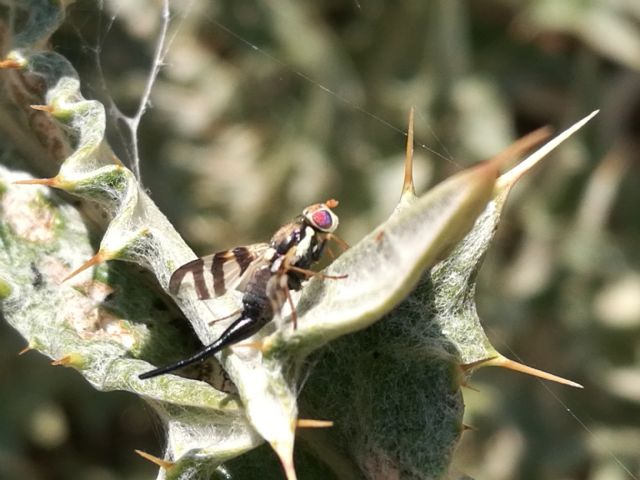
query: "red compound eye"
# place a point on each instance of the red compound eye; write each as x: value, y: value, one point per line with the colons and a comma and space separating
x: 322, y: 219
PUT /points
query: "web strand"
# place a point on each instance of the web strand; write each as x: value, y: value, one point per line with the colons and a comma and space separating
x: 573, y: 415
x: 328, y: 90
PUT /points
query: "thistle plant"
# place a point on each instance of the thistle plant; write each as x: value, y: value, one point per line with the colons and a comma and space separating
x: 381, y: 355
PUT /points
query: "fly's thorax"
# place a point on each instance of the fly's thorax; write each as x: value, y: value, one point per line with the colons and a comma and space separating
x: 288, y: 236
x: 305, y: 245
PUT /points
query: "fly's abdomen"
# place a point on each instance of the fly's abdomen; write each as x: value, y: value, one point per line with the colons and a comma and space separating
x: 255, y: 301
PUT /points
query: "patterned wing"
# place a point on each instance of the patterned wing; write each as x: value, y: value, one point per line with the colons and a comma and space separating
x: 220, y: 272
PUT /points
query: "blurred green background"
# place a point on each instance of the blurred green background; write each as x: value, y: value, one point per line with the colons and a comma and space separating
x: 263, y: 107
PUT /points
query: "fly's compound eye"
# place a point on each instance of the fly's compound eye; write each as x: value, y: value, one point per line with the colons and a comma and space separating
x: 322, y: 218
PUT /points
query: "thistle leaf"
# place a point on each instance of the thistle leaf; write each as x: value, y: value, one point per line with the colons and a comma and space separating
x: 393, y: 390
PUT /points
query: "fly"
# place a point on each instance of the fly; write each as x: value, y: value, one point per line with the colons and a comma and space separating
x: 265, y: 272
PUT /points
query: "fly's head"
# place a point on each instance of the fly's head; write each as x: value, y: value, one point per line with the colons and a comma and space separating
x: 321, y: 217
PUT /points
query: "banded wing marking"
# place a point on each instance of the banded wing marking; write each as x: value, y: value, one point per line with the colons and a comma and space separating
x: 220, y: 272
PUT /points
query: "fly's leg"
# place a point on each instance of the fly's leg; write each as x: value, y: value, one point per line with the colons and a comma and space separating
x: 278, y: 293
x: 311, y: 273
x: 332, y: 236
x: 294, y: 315
x: 343, y: 245
x: 226, y: 317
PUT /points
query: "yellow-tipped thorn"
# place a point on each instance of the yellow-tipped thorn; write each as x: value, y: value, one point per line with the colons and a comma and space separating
x: 467, y: 385
x: 43, y: 108
x: 165, y: 464
x: 467, y: 428
x: 467, y: 367
x: 66, y: 360
x: 51, y: 182
x: 25, y: 350
x: 116, y: 160
x: 10, y: 63
x: 508, y: 179
x: 522, y: 145
x: 500, y: 361
x: 69, y: 360
x: 255, y: 345
x: 407, y: 186
x: 95, y: 260
x: 311, y: 423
